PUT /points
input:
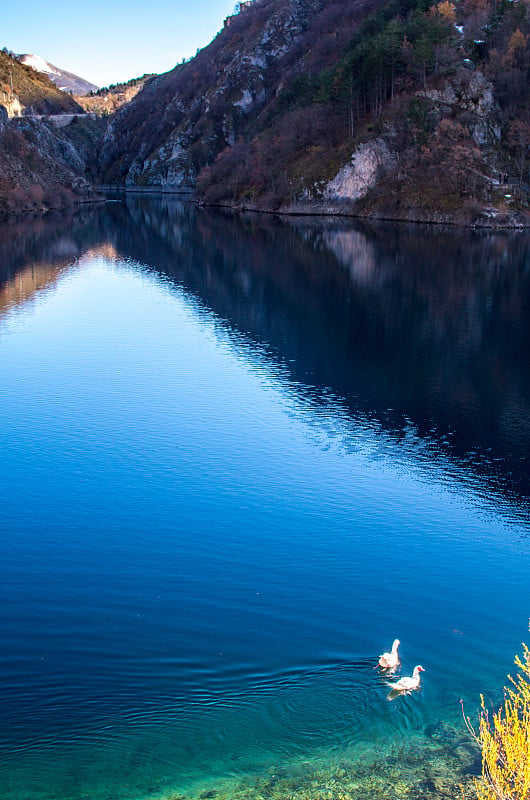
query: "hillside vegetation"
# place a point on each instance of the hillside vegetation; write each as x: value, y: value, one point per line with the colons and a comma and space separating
x: 107, y: 100
x: 42, y: 166
x: 405, y: 108
x: 34, y: 90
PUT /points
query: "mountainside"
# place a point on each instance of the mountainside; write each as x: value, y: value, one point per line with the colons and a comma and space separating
x: 108, y: 99
x: 65, y: 81
x: 25, y: 91
x: 48, y: 145
x: 182, y: 119
x: 403, y: 108
x: 43, y: 166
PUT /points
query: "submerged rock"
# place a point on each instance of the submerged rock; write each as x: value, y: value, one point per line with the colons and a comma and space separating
x: 415, y: 770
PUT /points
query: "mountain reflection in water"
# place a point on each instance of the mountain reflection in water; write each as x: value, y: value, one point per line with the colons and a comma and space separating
x: 424, y: 332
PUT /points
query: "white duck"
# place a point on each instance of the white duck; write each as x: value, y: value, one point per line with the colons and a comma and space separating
x: 408, y: 684
x: 390, y: 661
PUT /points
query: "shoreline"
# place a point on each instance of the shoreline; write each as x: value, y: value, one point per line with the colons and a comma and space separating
x: 515, y: 221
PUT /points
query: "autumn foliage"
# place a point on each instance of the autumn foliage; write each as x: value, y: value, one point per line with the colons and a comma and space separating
x: 504, y: 737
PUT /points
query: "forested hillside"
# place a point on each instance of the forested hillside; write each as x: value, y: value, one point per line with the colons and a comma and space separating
x: 401, y: 108
x: 405, y: 109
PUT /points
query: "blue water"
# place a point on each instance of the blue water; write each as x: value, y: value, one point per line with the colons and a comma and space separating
x: 239, y: 457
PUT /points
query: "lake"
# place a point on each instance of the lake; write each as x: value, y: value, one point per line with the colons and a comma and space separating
x: 240, y: 455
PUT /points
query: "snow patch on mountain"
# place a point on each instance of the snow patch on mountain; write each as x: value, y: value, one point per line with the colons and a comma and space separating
x: 38, y: 63
x: 66, y: 81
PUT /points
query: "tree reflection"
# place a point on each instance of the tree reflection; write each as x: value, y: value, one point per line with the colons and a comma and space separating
x: 412, y: 327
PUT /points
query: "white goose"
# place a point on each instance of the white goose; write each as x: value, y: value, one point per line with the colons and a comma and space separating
x: 390, y: 661
x: 408, y: 684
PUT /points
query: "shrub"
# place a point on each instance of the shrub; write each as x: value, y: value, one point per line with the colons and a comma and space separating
x: 505, y: 740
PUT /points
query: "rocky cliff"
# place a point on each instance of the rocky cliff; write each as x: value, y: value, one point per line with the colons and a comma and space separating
x: 183, y: 119
x: 408, y: 108
x: 42, y: 166
x: 49, y: 147
x: 404, y: 109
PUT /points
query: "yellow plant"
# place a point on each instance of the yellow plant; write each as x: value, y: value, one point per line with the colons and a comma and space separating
x: 505, y: 740
x: 517, y: 44
x: 446, y: 9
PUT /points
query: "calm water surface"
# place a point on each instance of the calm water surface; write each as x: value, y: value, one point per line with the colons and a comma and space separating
x: 239, y: 457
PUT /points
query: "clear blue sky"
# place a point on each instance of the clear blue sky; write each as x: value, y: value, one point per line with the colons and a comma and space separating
x: 109, y: 42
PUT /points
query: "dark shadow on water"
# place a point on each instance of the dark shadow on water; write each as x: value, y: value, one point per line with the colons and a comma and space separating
x: 424, y: 332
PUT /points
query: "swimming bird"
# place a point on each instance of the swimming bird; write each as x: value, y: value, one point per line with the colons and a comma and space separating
x: 408, y: 684
x: 390, y: 661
